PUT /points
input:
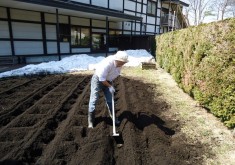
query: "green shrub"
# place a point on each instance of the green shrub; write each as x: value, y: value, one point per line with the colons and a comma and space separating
x: 202, y: 61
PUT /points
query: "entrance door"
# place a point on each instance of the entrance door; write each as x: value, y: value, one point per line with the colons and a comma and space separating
x: 98, y: 42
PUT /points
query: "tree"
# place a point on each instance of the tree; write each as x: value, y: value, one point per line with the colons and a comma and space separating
x: 199, y: 10
x: 231, y: 9
x: 221, y: 7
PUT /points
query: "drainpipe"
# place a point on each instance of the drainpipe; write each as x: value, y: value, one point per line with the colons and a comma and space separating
x: 169, y: 15
x: 107, y: 36
x: 11, y: 33
x: 141, y: 27
x: 58, y: 34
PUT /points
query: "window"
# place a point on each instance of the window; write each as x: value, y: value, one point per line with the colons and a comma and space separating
x: 113, y: 38
x: 80, y: 37
x: 151, y: 10
x: 64, y: 33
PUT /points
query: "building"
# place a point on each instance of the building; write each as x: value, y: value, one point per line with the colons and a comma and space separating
x: 43, y: 30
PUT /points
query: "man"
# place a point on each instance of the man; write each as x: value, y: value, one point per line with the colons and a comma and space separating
x: 106, y: 71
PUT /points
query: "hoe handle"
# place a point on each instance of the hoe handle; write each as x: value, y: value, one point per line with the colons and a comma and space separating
x: 113, y: 114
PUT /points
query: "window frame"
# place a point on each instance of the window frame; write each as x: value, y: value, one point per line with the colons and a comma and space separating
x: 80, y: 38
x: 151, y: 2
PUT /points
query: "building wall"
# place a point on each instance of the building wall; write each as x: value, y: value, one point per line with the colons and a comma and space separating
x: 37, y: 35
x: 21, y: 35
x: 150, y: 24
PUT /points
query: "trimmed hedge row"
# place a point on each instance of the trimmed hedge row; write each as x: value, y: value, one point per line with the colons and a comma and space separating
x: 202, y: 61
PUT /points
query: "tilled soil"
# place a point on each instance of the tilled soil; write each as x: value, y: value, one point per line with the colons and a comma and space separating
x: 43, y: 120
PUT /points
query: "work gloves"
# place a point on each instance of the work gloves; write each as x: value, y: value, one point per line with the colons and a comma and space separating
x: 111, y: 89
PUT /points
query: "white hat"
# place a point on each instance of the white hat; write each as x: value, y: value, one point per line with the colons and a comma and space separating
x: 121, y: 56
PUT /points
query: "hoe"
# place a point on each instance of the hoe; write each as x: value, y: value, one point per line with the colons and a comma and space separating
x: 113, y: 113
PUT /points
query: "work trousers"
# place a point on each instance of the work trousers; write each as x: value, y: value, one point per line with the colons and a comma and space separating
x: 96, y: 87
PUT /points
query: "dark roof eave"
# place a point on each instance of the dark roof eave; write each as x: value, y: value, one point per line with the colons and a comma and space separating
x: 182, y: 3
x: 83, y: 8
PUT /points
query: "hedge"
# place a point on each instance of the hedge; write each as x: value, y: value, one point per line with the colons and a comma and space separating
x: 202, y: 61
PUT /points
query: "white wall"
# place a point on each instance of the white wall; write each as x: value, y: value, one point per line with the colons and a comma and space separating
x: 137, y: 26
x: 158, y: 21
x: 145, y: 9
x: 130, y: 5
x: 150, y: 28
x: 4, y: 29
x: 97, y: 23
x: 28, y: 47
x: 99, y: 30
x: 81, y: 50
x: 51, y: 47
x: 64, y: 47
x: 139, y: 7
x: 41, y: 59
x: 5, y: 47
x: 101, y: 3
x: 51, y: 18
x: 116, y: 5
x: 51, y: 32
x: 80, y: 21
x: 3, y: 12
x: 26, y: 30
x: 25, y: 15
x: 151, y: 20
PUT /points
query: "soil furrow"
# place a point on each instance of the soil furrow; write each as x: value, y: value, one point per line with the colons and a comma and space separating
x: 46, y: 98
x: 13, y: 89
x: 23, y: 104
x: 49, y: 154
x: 32, y: 150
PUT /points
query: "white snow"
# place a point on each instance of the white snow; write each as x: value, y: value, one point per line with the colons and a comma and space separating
x: 75, y: 63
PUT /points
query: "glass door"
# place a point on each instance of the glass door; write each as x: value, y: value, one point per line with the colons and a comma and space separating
x: 98, y: 42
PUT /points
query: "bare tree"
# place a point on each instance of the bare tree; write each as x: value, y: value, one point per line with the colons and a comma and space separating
x: 231, y: 9
x: 221, y: 7
x: 186, y: 15
x: 199, y: 9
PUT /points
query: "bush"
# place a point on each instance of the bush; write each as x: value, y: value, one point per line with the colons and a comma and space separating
x: 202, y: 61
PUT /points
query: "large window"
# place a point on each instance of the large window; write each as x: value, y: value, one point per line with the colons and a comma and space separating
x: 151, y: 10
x: 80, y: 37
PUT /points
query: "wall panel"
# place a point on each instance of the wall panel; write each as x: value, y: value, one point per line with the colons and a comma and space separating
x: 25, y: 15
x: 5, y: 47
x: 26, y: 30
x: 4, y: 29
x: 3, y: 12
x: 28, y: 47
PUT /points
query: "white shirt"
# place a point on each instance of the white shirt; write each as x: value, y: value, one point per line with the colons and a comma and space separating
x: 107, y: 70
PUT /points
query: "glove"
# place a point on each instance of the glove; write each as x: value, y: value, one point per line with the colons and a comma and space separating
x: 111, y: 89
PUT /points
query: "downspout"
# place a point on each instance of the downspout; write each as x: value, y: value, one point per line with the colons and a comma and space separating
x: 169, y: 19
x: 107, y: 36
x: 11, y: 33
x: 58, y: 34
